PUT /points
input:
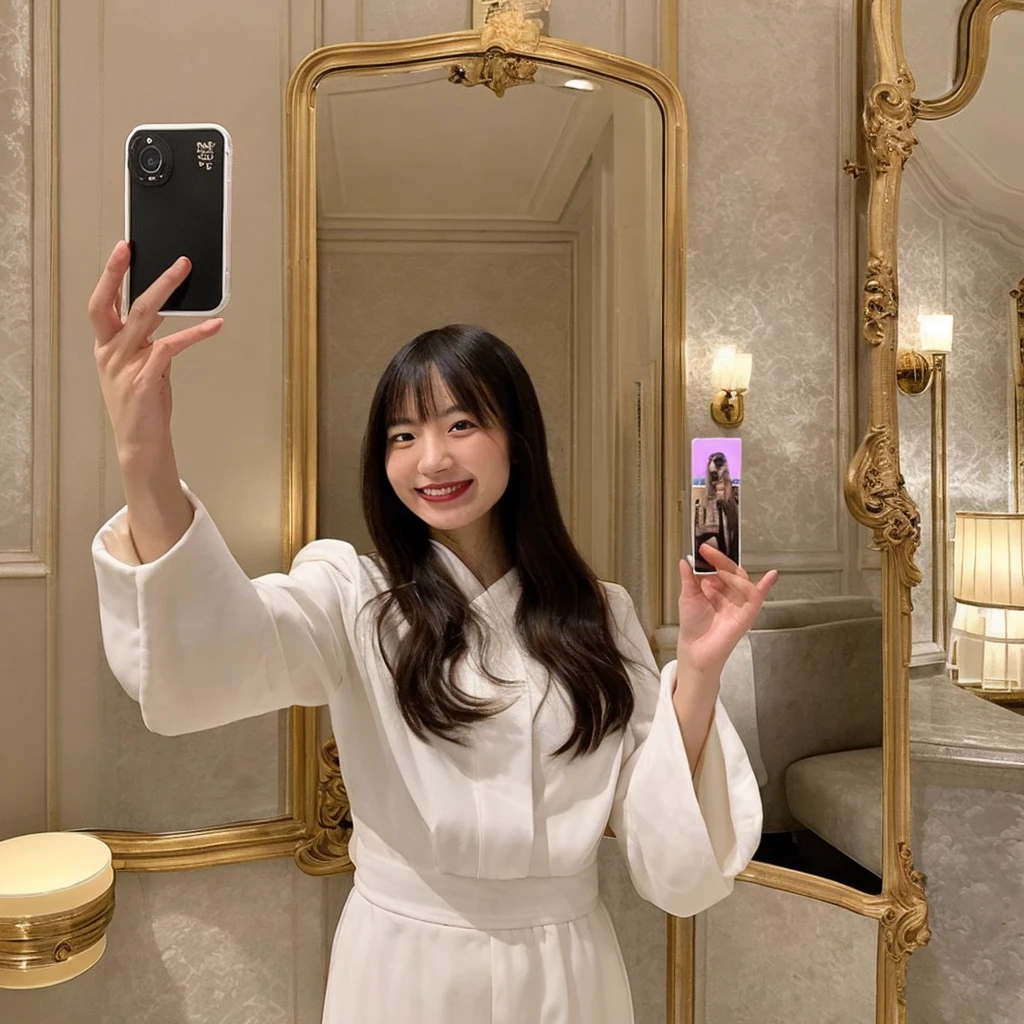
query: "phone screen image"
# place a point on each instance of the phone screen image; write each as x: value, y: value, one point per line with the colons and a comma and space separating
x: 716, y: 465
x: 177, y: 203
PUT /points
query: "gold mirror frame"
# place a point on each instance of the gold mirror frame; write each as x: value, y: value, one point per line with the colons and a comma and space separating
x: 508, y: 44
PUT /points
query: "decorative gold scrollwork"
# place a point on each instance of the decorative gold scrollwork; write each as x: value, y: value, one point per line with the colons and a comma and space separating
x: 507, y: 33
x: 327, y: 851
x: 880, y: 301
x: 877, y: 499
x: 905, y: 922
x: 498, y: 71
x: 889, y: 121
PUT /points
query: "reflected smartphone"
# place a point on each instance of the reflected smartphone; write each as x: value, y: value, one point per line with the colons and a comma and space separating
x: 178, y: 203
x: 716, y: 464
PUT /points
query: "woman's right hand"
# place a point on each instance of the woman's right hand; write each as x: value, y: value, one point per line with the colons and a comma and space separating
x: 134, y: 370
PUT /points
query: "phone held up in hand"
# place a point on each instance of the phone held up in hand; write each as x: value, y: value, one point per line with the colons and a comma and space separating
x: 178, y: 203
x: 715, y: 472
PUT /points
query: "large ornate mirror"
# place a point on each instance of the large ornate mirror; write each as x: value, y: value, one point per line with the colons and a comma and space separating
x: 537, y: 194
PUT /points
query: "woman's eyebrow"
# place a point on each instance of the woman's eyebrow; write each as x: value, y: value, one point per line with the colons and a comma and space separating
x: 451, y: 410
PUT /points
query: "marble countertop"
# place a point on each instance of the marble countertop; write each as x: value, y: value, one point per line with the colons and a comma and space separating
x: 948, y: 724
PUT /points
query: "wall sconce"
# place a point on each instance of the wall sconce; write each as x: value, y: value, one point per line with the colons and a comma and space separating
x: 56, y: 900
x: 916, y: 367
x: 730, y: 378
x: 986, y: 647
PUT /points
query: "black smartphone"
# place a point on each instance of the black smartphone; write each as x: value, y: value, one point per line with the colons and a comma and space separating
x: 178, y: 203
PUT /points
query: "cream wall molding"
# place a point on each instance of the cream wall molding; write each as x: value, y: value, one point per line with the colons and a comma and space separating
x: 333, y: 226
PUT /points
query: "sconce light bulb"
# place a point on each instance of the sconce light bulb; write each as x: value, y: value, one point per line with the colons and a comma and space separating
x: 580, y: 84
x: 936, y: 332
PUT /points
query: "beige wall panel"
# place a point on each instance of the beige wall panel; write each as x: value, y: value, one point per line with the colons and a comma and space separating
x: 23, y: 714
x: 767, y: 257
x: 228, y: 393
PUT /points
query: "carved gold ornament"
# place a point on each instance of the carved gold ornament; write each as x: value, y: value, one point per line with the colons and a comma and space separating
x: 905, y: 923
x: 877, y: 499
x: 506, y: 31
x: 327, y: 851
x: 498, y: 71
x: 880, y: 303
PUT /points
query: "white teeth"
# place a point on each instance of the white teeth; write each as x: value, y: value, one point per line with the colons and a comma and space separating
x: 439, y: 492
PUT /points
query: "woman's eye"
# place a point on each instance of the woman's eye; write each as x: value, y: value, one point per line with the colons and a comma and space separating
x: 399, y: 438
x: 463, y: 425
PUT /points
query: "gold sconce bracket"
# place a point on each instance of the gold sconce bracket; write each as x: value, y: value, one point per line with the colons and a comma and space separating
x: 914, y: 372
x: 727, y: 408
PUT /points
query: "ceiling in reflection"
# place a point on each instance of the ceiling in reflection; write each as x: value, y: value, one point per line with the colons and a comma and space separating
x: 978, y: 154
x: 414, y: 145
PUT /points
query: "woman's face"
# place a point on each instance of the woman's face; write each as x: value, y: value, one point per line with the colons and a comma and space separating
x: 450, y: 471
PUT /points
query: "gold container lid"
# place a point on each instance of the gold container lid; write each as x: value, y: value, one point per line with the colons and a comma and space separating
x: 56, y: 899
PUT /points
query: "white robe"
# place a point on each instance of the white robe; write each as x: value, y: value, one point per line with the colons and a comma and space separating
x: 475, y: 894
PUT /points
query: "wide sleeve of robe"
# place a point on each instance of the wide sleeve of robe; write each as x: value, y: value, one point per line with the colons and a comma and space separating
x: 684, y: 837
x: 198, y: 644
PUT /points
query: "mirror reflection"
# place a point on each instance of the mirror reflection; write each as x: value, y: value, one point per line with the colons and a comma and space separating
x: 961, y: 255
x: 537, y: 216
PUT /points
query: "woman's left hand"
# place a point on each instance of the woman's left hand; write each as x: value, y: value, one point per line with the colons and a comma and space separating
x: 715, y: 611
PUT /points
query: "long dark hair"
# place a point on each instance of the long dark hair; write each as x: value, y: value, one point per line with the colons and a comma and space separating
x: 562, y: 615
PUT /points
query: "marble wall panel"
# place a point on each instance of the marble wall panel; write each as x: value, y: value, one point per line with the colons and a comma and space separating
x: 240, y: 944
x: 969, y: 841
x: 763, y: 267
x: 807, y: 585
x: 922, y: 290
x: 15, y: 276
x: 950, y: 264
x: 770, y: 957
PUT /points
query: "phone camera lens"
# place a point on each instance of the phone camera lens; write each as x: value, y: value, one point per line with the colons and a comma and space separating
x: 151, y: 159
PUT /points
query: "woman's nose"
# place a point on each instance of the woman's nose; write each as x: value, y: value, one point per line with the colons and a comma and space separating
x: 435, y: 456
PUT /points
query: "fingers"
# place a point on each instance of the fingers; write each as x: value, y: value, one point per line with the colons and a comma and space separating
x: 105, y: 301
x: 688, y: 582
x: 734, y: 582
x: 165, y: 349
x: 721, y: 561
x: 144, y: 316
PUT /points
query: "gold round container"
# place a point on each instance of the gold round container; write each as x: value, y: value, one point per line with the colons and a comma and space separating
x: 56, y: 900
